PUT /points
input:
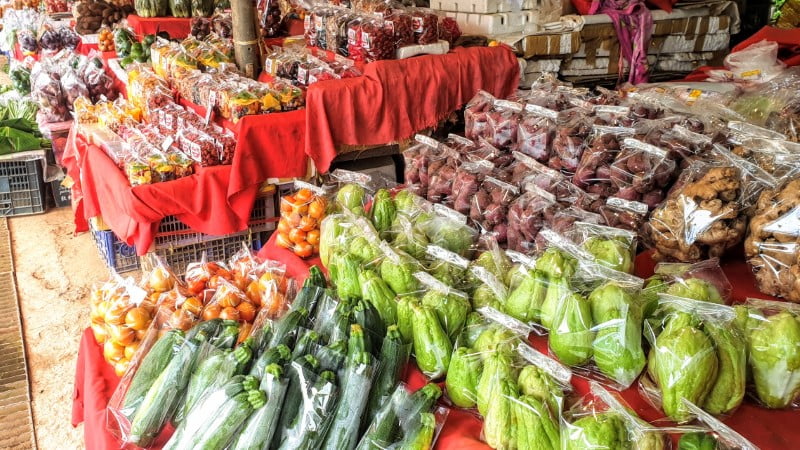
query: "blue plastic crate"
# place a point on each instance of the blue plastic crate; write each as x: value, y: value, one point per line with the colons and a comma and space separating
x: 220, y: 249
x: 116, y: 254
x: 22, y: 188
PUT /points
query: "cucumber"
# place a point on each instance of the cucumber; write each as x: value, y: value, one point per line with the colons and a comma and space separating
x: 161, y: 399
x: 260, y: 427
x: 154, y: 362
x: 343, y: 432
x: 301, y: 371
x: 393, y: 358
x: 285, y: 329
x: 308, y: 430
x: 276, y: 355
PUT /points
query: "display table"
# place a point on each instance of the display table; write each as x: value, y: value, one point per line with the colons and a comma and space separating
x: 177, y: 27
x: 769, y: 429
x: 391, y: 102
x: 395, y: 99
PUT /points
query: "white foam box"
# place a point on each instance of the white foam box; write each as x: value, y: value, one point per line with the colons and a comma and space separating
x: 490, y: 24
x: 437, y: 48
x: 472, y: 6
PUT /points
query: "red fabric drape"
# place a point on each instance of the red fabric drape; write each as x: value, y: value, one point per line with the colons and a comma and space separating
x: 788, y: 49
x: 177, y: 27
x: 768, y: 429
x: 395, y: 99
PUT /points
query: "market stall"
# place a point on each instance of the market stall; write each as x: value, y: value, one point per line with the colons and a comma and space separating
x: 95, y: 380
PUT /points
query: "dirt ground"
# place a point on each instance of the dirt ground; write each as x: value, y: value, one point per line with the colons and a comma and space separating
x: 55, y: 272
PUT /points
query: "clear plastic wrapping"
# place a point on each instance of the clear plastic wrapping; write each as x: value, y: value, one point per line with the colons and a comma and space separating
x: 570, y: 140
x: 475, y: 115
x: 771, y: 245
x: 536, y: 132
x: 698, y: 354
x: 773, y: 340
x: 702, y: 215
x: 641, y: 172
x: 593, y: 173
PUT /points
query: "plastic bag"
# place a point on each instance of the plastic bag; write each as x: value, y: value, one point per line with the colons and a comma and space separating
x: 641, y: 172
x: 442, y: 166
x: 720, y: 435
x: 777, y: 157
x: 121, y: 313
x: 754, y: 178
x: 448, y: 267
x: 489, y: 206
x: 611, y: 247
x: 773, y: 338
x: 593, y: 173
x: 354, y: 191
x: 448, y: 229
x: 406, y: 419
x: 702, y: 216
x: 377, y: 40
x: 466, y: 183
x: 301, y: 215
x: 527, y: 215
x: 771, y: 246
x: 757, y: 62
x: 417, y: 158
x: 570, y: 141
x: 698, y: 353
x: 476, y: 120
x: 354, y: 46
x: 603, y: 420
x: 624, y: 214
x: 425, y: 23
x: 401, y: 24
x: 503, y: 123
x: 536, y: 132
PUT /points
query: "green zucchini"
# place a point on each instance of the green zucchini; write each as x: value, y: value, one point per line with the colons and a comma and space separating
x: 367, y: 316
x: 154, y: 362
x: 307, y: 298
x: 308, y: 430
x: 421, y: 437
x: 323, y: 316
x: 343, y: 433
x: 301, y: 371
x: 393, y: 358
x: 161, y: 399
x: 276, y: 355
x: 260, y: 427
x: 331, y: 357
x: 209, y: 328
x: 285, y: 329
x: 383, y: 428
x: 305, y: 343
x: 195, y: 422
x: 212, y: 373
x: 315, y: 278
x: 228, y: 419
x: 227, y: 336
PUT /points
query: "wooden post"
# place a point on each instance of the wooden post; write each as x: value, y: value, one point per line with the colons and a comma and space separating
x: 245, y: 37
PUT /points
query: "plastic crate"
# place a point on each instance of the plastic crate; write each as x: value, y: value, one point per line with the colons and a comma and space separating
x: 216, y: 250
x: 22, y: 188
x: 174, y: 233
x: 116, y: 254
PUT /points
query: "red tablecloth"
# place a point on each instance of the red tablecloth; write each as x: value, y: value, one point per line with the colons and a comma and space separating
x: 395, y: 99
x: 788, y: 49
x: 95, y: 380
x: 200, y: 201
x: 177, y: 27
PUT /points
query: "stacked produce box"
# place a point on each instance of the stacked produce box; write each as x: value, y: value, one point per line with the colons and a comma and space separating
x: 495, y: 17
x: 681, y: 41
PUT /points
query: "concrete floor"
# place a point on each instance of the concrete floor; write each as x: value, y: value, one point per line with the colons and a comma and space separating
x: 55, y: 271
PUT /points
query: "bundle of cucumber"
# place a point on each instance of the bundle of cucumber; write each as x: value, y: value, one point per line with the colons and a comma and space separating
x: 299, y: 382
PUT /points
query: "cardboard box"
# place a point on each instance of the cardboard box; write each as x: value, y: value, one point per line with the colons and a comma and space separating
x: 681, y: 62
x: 609, y: 46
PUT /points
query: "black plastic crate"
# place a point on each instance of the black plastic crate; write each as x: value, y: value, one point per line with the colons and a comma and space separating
x: 116, y: 254
x: 22, y: 188
x: 219, y: 249
x: 174, y: 233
